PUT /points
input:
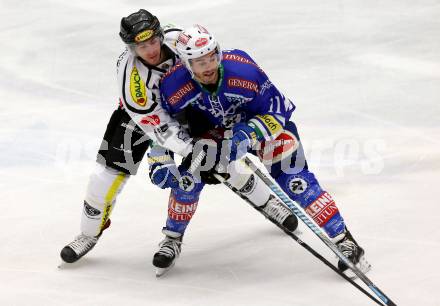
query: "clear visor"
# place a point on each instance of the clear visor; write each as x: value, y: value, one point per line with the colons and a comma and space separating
x: 205, y: 61
x: 145, y: 45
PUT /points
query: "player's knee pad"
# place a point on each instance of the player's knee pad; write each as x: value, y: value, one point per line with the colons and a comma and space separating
x: 318, y: 204
x: 104, y: 185
x: 247, y: 183
x: 183, y: 203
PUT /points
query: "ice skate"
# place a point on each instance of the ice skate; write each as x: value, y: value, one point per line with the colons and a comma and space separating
x: 168, y: 252
x: 80, y: 246
x: 356, y: 254
x: 281, y: 214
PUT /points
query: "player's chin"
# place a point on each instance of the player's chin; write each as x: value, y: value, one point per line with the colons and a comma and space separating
x: 210, y: 77
x: 153, y: 60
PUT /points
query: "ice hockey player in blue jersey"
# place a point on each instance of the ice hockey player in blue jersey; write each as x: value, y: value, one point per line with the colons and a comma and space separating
x: 232, y: 92
x: 139, y: 124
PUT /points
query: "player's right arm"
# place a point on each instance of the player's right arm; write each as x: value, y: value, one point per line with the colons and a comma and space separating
x: 178, y: 90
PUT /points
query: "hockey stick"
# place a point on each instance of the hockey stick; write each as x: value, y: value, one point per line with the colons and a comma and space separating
x: 300, y: 214
x: 298, y: 240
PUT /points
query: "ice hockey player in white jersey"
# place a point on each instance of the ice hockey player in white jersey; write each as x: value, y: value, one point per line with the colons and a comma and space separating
x: 139, y: 121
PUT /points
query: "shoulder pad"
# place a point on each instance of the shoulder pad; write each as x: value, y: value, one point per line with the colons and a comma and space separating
x: 171, y: 33
x: 178, y: 71
x: 237, y: 55
x: 177, y: 86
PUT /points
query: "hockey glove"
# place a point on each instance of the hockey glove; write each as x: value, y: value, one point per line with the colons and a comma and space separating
x: 244, y: 138
x: 202, y: 162
x: 163, y: 176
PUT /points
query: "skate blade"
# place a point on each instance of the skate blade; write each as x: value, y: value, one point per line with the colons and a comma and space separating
x: 62, y: 265
x: 162, y: 271
x: 363, y: 265
x: 298, y: 232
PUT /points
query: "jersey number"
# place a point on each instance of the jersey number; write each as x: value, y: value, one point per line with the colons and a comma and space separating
x: 275, y: 104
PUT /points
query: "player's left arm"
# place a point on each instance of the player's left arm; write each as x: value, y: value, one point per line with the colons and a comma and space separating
x: 272, y: 111
x: 272, y: 108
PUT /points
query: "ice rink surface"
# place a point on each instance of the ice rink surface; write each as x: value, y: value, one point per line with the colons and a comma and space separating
x: 365, y: 77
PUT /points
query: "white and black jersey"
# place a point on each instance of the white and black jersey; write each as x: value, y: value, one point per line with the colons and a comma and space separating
x: 138, y: 85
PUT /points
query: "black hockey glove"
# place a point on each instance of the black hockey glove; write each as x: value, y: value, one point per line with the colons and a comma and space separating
x: 209, y: 177
x: 202, y: 162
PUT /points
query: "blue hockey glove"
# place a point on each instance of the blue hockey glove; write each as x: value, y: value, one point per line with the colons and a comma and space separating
x: 163, y: 177
x: 243, y: 138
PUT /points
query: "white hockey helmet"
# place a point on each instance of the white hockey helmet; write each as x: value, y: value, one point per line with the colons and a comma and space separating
x: 195, y: 42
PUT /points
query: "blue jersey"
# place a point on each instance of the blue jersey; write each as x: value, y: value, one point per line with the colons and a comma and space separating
x: 244, y: 94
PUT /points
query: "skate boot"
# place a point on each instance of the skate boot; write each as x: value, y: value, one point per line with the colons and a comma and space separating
x: 168, y: 252
x: 280, y: 213
x: 80, y: 246
x: 351, y: 249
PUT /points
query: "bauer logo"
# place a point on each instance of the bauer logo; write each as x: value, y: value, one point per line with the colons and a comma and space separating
x: 90, y: 211
x: 249, y: 186
x: 202, y: 41
x: 143, y: 36
x: 137, y: 88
